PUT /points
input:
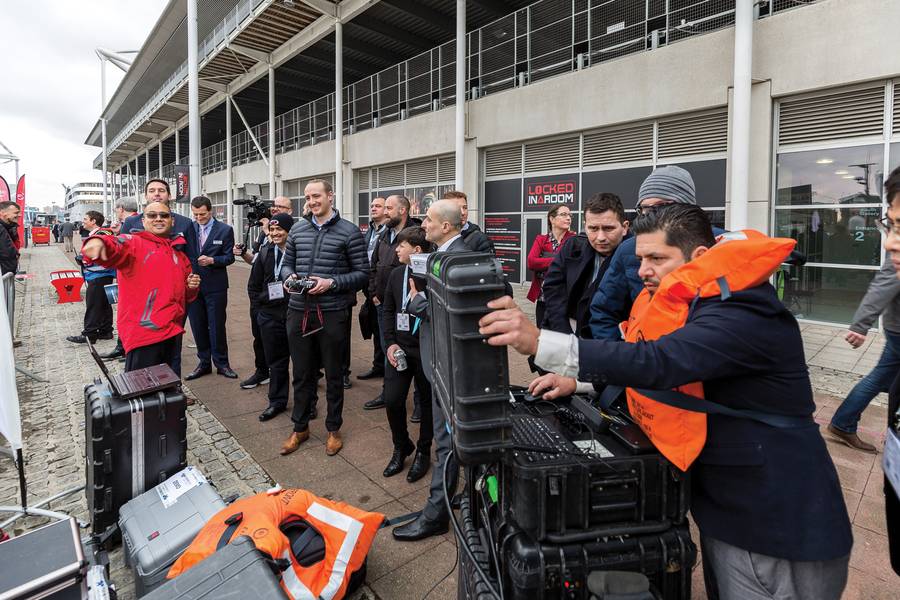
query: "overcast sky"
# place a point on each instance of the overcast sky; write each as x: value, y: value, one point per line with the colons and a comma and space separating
x: 50, y: 95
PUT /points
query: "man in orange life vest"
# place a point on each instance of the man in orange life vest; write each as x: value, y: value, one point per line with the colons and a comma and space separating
x: 765, y: 494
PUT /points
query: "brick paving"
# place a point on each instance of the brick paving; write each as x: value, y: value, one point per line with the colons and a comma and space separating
x: 240, y: 455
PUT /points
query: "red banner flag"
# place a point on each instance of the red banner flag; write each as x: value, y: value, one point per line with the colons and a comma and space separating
x: 20, y: 200
x: 4, y: 190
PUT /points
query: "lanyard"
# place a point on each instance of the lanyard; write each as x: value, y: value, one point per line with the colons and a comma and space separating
x: 278, y: 264
x: 406, y: 298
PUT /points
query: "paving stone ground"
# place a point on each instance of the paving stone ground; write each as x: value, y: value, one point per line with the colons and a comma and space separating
x: 240, y: 454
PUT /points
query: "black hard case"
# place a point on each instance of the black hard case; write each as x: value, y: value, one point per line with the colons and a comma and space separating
x: 130, y: 447
x: 470, y: 378
x: 553, y: 497
x: 47, y: 562
x: 536, y: 571
x: 237, y: 571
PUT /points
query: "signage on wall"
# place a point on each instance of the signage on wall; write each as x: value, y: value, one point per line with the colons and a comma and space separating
x: 543, y: 193
x: 182, y: 183
x: 505, y: 231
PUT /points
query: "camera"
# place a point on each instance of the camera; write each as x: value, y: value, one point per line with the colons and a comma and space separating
x: 300, y: 285
x: 258, y: 209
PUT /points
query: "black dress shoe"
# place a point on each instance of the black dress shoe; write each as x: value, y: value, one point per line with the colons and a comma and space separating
x: 374, y: 403
x: 200, y: 371
x: 77, y: 339
x: 421, y: 528
x: 398, y: 460
x: 254, y: 380
x: 372, y: 373
x: 347, y: 383
x: 227, y: 372
x: 270, y: 413
x: 117, y: 352
x: 420, y: 465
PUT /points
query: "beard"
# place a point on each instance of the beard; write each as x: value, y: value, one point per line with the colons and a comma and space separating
x: 394, y: 221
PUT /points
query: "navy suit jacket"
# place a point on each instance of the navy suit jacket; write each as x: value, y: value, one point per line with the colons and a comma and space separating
x: 219, y: 246
x: 764, y: 489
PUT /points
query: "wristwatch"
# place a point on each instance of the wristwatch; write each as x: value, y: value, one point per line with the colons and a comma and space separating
x: 333, y: 286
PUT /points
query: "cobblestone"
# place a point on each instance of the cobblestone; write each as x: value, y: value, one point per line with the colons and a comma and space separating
x: 53, y: 412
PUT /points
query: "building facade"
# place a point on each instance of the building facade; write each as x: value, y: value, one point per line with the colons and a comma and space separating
x: 81, y: 198
x: 570, y: 98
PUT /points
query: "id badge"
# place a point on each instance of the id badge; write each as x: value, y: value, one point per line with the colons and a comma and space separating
x: 276, y: 290
x: 892, y: 459
x: 402, y: 322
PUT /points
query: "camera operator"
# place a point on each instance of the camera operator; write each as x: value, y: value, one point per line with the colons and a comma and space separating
x: 765, y: 493
x: 281, y: 205
x: 327, y: 253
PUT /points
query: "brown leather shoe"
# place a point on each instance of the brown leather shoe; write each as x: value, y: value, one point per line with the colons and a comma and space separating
x: 333, y: 444
x: 852, y: 440
x: 293, y: 442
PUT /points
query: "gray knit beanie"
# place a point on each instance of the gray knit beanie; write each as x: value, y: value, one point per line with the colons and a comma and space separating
x: 669, y: 183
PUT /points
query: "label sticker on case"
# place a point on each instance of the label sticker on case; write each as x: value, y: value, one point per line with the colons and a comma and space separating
x: 179, y: 484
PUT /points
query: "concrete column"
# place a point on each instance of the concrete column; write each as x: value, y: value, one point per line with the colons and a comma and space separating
x: 740, y: 118
x: 229, y: 192
x: 339, y: 112
x: 272, y: 192
x: 193, y: 99
x: 460, y: 93
x: 177, y: 148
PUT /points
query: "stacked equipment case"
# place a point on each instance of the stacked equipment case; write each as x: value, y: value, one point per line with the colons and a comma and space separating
x: 130, y: 446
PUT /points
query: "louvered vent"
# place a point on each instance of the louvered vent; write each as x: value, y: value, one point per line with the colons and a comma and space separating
x: 421, y: 172
x: 896, y: 106
x: 619, y: 145
x: 329, y: 177
x: 447, y: 168
x: 363, y: 178
x: 551, y: 155
x: 848, y: 114
x: 390, y: 177
x: 700, y: 133
x: 503, y: 161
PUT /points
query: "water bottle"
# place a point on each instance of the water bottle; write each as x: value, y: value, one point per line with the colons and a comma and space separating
x: 400, y: 357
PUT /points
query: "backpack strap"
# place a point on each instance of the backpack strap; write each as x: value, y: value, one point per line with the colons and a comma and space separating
x: 694, y: 404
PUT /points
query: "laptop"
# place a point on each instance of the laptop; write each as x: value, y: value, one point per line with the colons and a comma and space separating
x: 137, y: 383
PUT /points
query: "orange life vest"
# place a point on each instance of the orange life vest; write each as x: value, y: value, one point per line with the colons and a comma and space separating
x: 348, y: 533
x: 739, y: 260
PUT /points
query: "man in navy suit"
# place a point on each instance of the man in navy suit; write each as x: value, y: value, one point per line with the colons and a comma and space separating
x: 214, y: 252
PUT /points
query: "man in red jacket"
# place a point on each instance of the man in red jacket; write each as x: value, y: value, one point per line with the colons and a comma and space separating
x: 155, y: 286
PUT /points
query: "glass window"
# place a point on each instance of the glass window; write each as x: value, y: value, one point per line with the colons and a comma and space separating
x: 822, y: 293
x: 832, y: 234
x: 716, y: 217
x: 834, y: 176
x: 709, y: 182
x: 894, y: 156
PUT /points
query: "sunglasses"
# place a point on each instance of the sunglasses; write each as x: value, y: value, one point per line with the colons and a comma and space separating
x: 152, y: 216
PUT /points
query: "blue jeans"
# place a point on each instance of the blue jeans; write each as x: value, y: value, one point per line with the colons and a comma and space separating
x: 878, y: 380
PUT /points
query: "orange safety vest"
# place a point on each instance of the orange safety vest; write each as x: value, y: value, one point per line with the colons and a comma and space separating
x: 739, y: 260
x: 348, y: 533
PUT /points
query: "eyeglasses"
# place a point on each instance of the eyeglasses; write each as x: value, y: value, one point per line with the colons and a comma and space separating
x: 645, y: 209
x: 564, y: 215
x: 887, y: 226
x: 152, y: 216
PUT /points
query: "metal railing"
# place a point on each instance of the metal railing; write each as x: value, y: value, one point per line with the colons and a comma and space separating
x: 542, y: 40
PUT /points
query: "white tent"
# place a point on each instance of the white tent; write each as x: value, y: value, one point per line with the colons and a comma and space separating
x: 10, y: 419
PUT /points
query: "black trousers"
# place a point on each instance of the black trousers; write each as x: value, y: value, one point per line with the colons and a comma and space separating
x: 277, y: 356
x: 259, y: 353
x: 163, y: 352
x: 539, y: 310
x: 396, y: 389
x: 98, y: 314
x: 377, y: 349
x: 329, y: 348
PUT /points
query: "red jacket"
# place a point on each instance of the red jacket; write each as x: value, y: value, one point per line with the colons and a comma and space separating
x: 153, y: 294
x: 539, y: 258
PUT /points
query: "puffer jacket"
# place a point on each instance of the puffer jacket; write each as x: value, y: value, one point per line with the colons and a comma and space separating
x: 335, y: 251
x: 384, y: 259
x: 476, y: 239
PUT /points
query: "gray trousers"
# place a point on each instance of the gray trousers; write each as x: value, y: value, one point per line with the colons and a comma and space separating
x: 436, y: 509
x: 743, y: 575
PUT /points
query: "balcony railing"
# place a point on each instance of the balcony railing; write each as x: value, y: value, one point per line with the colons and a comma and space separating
x: 537, y: 42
